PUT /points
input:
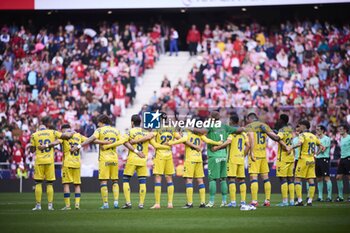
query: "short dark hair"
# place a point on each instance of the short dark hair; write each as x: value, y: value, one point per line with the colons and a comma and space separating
x: 252, y: 114
x: 284, y: 118
x: 104, y: 119
x: 65, y: 126
x: 215, y: 115
x: 136, y: 119
x: 234, y: 119
x: 323, y: 128
x: 345, y: 126
x: 305, y: 123
x: 46, y: 120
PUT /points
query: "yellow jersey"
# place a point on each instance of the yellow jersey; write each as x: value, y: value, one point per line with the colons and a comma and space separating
x: 259, y: 147
x: 108, y: 133
x: 162, y: 136
x: 191, y: 154
x: 308, y: 146
x: 133, y: 158
x: 237, y: 148
x: 285, y: 134
x: 72, y: 159
x: 42, y: 137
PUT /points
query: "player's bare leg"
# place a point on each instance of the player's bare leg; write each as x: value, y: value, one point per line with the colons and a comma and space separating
x: 170, y: 189
x: 189, y: 193
x: 201, y: 187
x: 66, y: 195
x: 77, y: 195
x: 157, y: 191
x: 267, y: 188
x: 104, y: 194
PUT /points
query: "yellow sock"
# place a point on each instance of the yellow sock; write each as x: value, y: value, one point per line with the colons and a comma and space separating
x: 157, y: 192
x: 291, y: 191
x: 284, y: 190
x: 267, y: 189
x: 104, y: 193
x: 142, y: 193
x: 171, y: 192
x: 254, y: 189
x: 243, y: 191
x: 202, y: 193
x: 232, y: 189
x: 189, y: 193
x: 49, y: 191
x: 77, y: 199
x: 298, y: 190
x: 38, y: 192
x: 312, y: 189
x: 126, y: 190
x: 66, y: 199
x: 115, y: 189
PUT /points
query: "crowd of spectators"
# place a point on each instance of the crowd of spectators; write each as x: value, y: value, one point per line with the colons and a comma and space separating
x: 298, y: 68
x: 71, y: 74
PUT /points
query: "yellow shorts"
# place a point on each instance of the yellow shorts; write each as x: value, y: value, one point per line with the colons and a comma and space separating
x: 131, y: 168
x: 70, y: 175
x: 193, y: 169
x: 284, y: 169
x: 44, y: 172
x: 260, y: 166
x: 108, y: 170
x: 235, y: 170
x: 305, y: 169
x: 163, y: 166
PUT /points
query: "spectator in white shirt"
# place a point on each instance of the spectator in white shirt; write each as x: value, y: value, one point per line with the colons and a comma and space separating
x: 174, y: 36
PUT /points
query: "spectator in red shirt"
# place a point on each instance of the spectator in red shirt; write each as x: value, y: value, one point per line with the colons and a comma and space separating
x: 17, y: 153
x: 119, y: 92
x: 193, y: 38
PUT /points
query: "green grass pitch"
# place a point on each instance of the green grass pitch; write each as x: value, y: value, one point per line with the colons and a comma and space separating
x: 16, y: 216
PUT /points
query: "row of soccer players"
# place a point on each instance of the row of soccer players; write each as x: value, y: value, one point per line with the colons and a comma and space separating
x: 218, y: 138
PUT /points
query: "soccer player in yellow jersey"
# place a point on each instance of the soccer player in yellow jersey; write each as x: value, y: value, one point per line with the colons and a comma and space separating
x: 163, y: 164
x: 238, y: 149
x: 42, y: 143
x: 136, y: 162
x: 71, y: 166
x: 306, y: 163
x: 285, y: 160
x: 108, y: 158
x: 257, y: 161
x: 193, y: 164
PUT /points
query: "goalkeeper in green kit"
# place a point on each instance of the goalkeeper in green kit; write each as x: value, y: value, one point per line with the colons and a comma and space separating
x: 217, y: 159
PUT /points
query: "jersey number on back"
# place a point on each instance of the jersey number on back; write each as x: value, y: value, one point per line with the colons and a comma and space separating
x: 239, y: 144
x: 47, y: 141
x: 260, y: 138
x: 164, y: 139
x: 311, y: 149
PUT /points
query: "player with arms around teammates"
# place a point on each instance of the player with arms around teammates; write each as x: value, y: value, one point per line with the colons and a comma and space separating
x: 163, y: 163
x: 238, y: 148
x: 257, y: 161
x: 194, y: 164
x: 306, y: 163
x: 108, y: 158
x: 217, y: 159
x: 137, y: 160
x: 42, y: 143
x: 285, y: 159
x: 71, y: 165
